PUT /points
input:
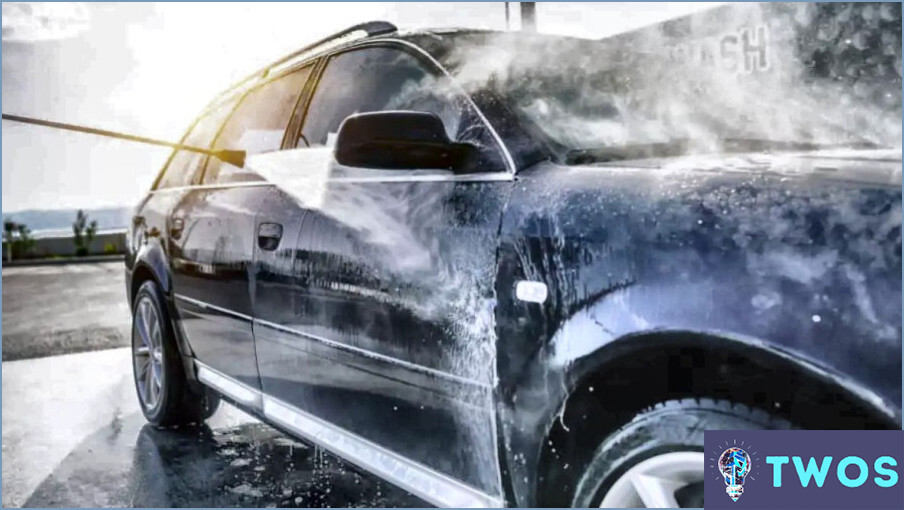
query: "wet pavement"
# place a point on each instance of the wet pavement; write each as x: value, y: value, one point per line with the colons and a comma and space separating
x: 57, y: 309
x: 73, y: 436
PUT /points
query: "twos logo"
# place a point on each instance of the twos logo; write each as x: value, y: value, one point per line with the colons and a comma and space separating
x: 734, y: 463
x: 804, y: 469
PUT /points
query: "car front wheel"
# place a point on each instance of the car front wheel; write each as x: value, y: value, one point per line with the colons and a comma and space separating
x: 656, y: 460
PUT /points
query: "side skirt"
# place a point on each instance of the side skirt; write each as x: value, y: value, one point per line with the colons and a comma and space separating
x: 420, y: 480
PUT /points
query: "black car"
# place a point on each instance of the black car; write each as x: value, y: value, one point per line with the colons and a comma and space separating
x: 481, y: 272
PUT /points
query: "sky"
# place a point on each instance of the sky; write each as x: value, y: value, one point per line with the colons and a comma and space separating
x: 149, y: 68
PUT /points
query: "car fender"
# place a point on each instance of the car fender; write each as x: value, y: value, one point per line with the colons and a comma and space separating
x: 630, y: 319
x: 152, y: 256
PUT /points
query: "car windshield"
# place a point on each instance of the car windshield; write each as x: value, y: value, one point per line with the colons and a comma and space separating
x: 635, y: 96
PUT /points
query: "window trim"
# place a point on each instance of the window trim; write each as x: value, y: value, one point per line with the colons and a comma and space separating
x: 237, y: 98
x: 319, y: 62
x: 156, y: 184
x: 325, y: 62
x: 422, y: 55
x: 200, y: 168
x: 506, y: 154
x: 402, y: 177
x: 244, y: 95
x: 300, y: 113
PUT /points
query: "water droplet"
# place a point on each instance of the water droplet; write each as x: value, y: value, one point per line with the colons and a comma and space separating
x: 591, y: 389
x: 817, y: 319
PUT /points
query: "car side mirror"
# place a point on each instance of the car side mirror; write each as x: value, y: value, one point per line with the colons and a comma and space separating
x: 401, y: 140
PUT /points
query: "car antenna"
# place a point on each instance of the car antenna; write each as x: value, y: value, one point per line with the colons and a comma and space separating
x: 232, y: 157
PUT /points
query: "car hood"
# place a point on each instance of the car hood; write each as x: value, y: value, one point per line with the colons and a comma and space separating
x: 879, y: 166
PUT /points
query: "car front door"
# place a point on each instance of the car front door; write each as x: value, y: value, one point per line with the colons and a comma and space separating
x: 375, y: 324
x: 213, y: 234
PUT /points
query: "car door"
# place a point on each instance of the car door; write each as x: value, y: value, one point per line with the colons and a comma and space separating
x: 376, y: 324
x: 213, y: 236
x: 182, y: 171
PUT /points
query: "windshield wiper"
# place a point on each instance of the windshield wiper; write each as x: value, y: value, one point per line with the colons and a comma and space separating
x: 681, y: 146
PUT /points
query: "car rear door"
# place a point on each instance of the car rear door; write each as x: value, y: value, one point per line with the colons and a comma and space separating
x: 182, y: 171
x: 213, y: 235
x: 375, y: 318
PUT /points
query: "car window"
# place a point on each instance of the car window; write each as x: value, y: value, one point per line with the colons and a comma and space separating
x: 381, y: 79
x: 257, y: 125
x: 183, y: 165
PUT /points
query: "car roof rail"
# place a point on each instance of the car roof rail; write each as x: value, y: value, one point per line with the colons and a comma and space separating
x: 370, y: 29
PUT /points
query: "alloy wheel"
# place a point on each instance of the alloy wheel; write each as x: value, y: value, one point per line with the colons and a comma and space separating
x: 656, y: 482
x: 147, y: 353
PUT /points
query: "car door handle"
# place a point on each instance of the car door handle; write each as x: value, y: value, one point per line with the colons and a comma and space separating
x: 269, y: 235
x: 176, y: 228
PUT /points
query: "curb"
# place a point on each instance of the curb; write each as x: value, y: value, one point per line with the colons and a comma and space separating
x: 61, y: 261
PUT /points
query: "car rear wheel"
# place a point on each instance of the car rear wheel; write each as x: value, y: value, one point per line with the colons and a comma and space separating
x: 164, y: 394
x: 656, y: 460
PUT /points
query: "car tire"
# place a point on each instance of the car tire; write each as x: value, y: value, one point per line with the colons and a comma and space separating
x: 666, y: 439
x: 164, y: 394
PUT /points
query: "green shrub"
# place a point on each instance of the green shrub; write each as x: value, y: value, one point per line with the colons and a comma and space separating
x: 18, y: 242
x: 83, y: 233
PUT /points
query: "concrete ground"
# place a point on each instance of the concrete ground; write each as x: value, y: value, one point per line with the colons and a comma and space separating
x: 73, y: 435
x: 58, y: 309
